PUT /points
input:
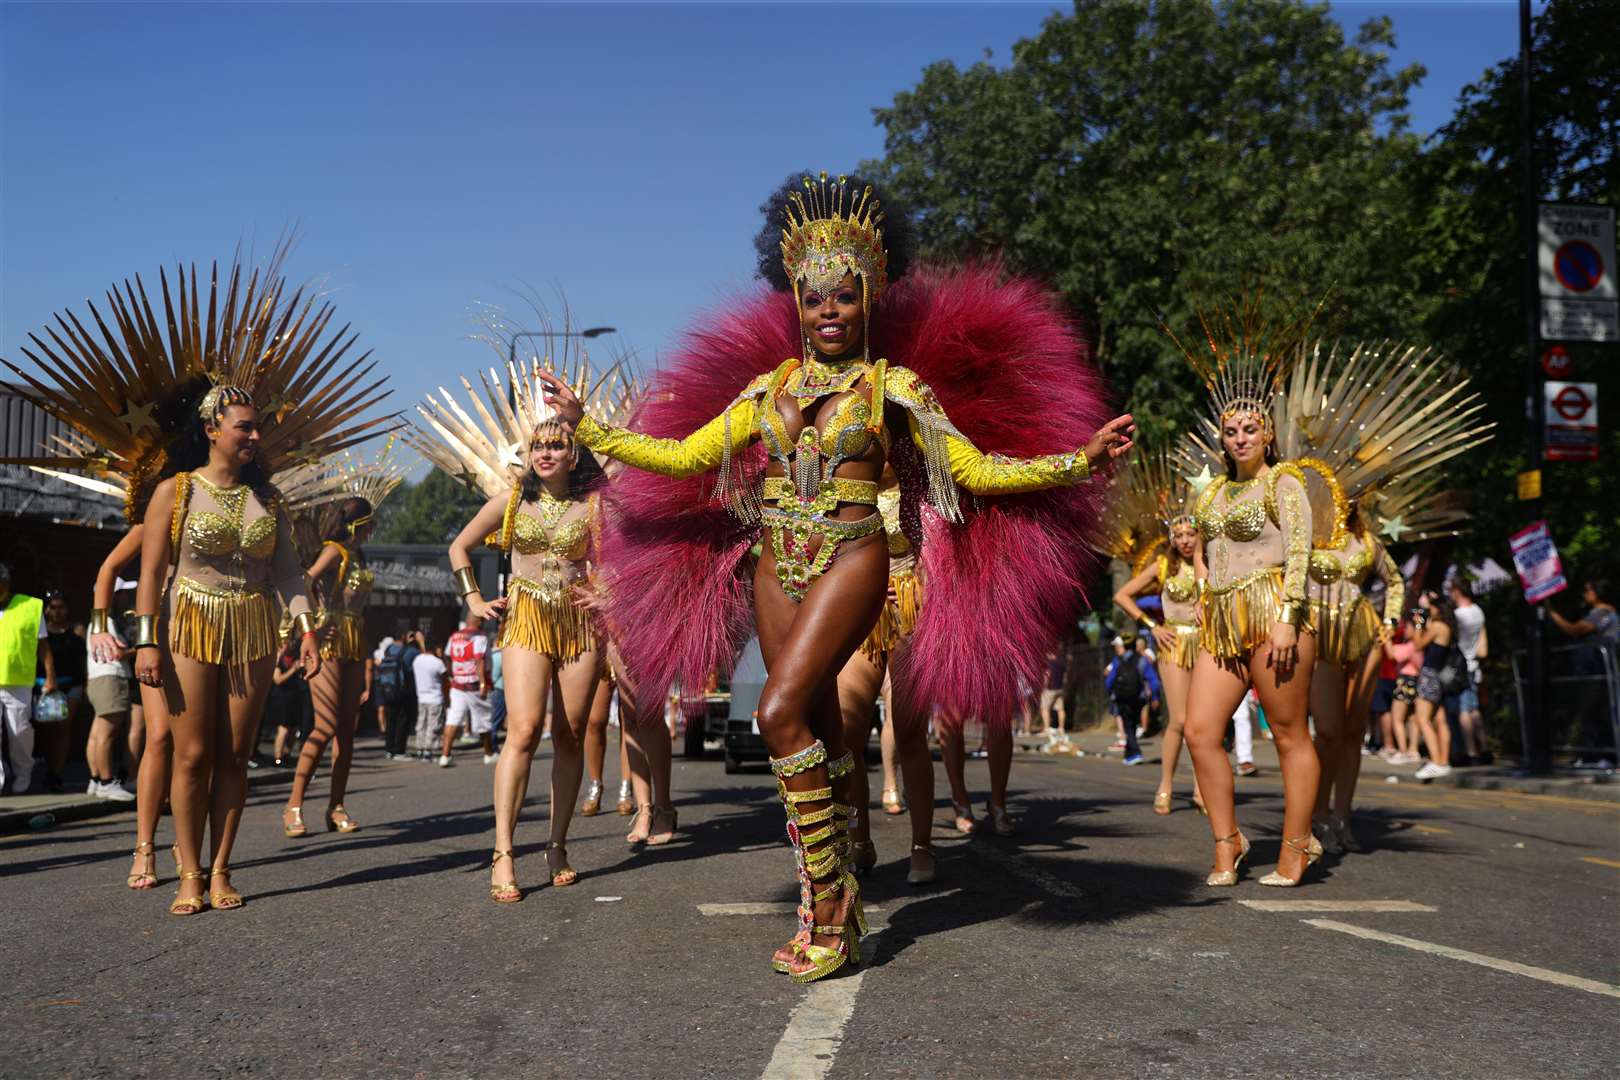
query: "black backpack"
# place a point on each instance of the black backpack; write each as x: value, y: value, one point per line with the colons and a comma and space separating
x: 1128, y: 680
x: 391, y: 675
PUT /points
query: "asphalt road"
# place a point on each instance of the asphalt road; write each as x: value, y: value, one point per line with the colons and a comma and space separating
x: 1085, y: 946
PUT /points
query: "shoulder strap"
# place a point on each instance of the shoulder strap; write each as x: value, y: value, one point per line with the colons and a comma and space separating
x: 345, y: 556
x: 1164, y: 570
x: 509, y: 519
x: 177, y: 517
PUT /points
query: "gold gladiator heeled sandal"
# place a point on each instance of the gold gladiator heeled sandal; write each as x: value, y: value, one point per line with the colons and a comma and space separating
x: 565, y: 876
x: 338, y: 820
x: 292, y: 822
x: 191, y: 905
x: 811, y: 756
x: 1226, y: 878
x: 506, y: 892
x: 1308, y: 846
x: 226, y: 899
x: 829, y: 864
x: 1161, y: 803
x: 144, y: 879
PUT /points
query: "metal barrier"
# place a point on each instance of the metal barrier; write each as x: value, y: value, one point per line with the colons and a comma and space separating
x: 1583, y: 680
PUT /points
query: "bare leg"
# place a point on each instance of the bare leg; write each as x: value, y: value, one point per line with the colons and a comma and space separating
x: 243, y: 689
x: 891, y: 780
x: 189, y: 691
x: 1436, y: 734
x: 1176, y: 681
x: 1358, y: 698
x: 858, y: 686
x: 596, y: 729
x: 354, y: 676
x: 998, y: 744
x: 953, y: 752
x: 528, y: 677
x: 326, y: 692
x: 1328, y: 692
x: 1213, y: 695
x: 571, y: 702
x: 152, y: 773
x: 1285, y: 695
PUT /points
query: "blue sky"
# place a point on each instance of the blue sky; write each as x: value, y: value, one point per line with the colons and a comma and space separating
x: 435, y: 156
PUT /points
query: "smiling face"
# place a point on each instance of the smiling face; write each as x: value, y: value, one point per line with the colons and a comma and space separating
x: 551, y: 452
x: 1185, y: 539
x: 1244, y: 437
x: 834, y: 322
x: 235, y: 435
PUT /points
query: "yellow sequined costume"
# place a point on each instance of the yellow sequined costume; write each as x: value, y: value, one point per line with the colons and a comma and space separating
x: 797, y: 504
x: 232, y: 552
x: 343, y: 621
x: 548, y: 549
x: 1178, y: 595
x: 1347, y: 626
x: 1257, y: 545
x: 899, y: 616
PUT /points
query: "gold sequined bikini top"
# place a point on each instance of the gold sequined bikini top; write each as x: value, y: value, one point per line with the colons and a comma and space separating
x: 1182, y: 588
x: 1240, y: 521
x: 845, y: 429
x: 529, y: 537
x: 1329, y: 566
x: 213, y: 535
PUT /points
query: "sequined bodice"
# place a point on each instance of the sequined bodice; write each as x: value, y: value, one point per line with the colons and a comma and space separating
x: 214, y: 535
x: 1178, y: 592
x: 1240, y: 515
x: 567, y: 541
x: 810, y: 453
x: 1241, y: 526
x: 1350, y: 566
x: 550, y: 542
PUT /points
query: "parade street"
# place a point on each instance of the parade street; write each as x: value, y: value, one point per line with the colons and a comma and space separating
x: 1473, y: 940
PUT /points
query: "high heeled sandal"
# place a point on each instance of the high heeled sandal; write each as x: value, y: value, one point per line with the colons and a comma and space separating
x: 1198, y: 804
x: 891, y: 802
x: 643, y: 827
x: 191, y: 905
x: 923, y: 869
x: 964, y: 817
x: 627, y: 804
x: 1307, y: 846
x: 830, y: 861
x: 1226, y: 878
x: 1000, y: 819
x: 567, y: 875
x: 593, y: 800
x: 144, y: 879
x: 336, y: 824
x: 226, y: 899
x: 506, y: 892
x: 656, y: 836
x: 292, y: 822
x: 1161, y: 803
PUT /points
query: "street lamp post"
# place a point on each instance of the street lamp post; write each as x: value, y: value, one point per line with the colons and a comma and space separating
x: 593, y: 332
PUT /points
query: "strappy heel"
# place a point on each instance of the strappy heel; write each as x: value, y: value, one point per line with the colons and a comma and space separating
x: 923, y: 869
x: 891, y: 802
x: 226, y: 899
x: 657, y: 836
x: 823, y: 858
x: 191, y: 905
x: 627, y: 804
x: 292, y: 822
x: 1000, y: 819
x: 964, y: 817
x: 337, y: 824
x: 1161, y: 803
x: 593, y: 800
x: 862, y: 857
x: 567, y: 875
x: 144, y: 879
x: 1225, y: 878
x: 643, y: 827
x: 506, y: 892
x: 1308, y: 846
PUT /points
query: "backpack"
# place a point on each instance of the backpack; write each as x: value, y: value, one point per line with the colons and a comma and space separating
x: 391, y: 675
x: 1128, y: 681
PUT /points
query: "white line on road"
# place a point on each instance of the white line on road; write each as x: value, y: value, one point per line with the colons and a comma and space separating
x: 809, y: 1046
x: 1558, y: 978
x: 1336, y: 905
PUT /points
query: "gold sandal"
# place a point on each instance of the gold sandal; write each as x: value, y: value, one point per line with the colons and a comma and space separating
x: 639, y: 832
x: 337, y: 824
x: 226, y: 899
x: 891, y: 802
x: 1161, y: 803
x: 1308, y: 846
x: 505, y: 892
x: 657, y: 836
x: 1223, y: 878
x: 145, y: 879
x: 191, y: 905
x: 567, y: 875
x: 292, y: 821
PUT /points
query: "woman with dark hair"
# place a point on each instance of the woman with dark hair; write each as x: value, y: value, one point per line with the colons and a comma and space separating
x: 541, y: 512
x: 339, y: 691
x: 1435, y: 633
x: 798, y: 447
x: 1596, y: 630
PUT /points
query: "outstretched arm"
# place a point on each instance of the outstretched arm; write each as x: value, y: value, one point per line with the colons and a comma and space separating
x: 699, y: 452
x: 996, y: 474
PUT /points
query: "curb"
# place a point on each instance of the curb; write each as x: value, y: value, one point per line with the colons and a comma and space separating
x: 16, y: 821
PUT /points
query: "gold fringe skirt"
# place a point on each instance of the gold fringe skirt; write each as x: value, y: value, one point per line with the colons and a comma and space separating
x: 221, y: 626
x: 345, y: 638
x: 1239, y: 619
x: 1346, y: 631
x: 544, y: 623
x: 897, y: 619
x: 1184, y: 654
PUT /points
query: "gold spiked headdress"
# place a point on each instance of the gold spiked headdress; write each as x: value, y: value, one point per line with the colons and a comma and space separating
x: 252, y: 341
x: 372, y: 479
x: 1242, y: 355
x: 1150, y: 498
x: 835, y: 231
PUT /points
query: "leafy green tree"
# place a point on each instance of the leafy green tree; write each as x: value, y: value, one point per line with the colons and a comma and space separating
x: 1139, y: 155
x: 431, y: 511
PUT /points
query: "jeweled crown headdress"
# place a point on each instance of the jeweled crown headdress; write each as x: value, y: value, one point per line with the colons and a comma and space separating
x: 836, y: 231
x: 1150, y: 499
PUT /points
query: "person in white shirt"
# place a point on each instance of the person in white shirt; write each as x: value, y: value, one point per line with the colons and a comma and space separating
x: 428, y: 671
x: 1473, y: 643
x: 107, y: 684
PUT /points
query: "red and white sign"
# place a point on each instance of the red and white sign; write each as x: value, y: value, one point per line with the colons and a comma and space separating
x: 1556, y: 363
x: 1570, y: 421
x: 1575, y: 254
x: 1535, y: 556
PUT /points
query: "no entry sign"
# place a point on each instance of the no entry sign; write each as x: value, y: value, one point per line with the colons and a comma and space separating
x: 1570, y: 421
x: 1580, y: 301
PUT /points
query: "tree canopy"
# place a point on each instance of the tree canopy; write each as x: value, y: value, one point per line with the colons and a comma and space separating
x: 431, y: 511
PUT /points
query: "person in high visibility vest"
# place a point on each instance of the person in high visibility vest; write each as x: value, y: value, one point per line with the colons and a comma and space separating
x: 23, y: 642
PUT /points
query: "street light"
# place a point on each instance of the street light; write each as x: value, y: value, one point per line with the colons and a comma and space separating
x: 593, y: 332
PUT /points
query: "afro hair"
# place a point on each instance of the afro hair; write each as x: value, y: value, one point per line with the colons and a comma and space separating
x: 899, y: 239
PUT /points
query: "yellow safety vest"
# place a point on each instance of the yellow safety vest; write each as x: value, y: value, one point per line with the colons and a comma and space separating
x: 19, y: 640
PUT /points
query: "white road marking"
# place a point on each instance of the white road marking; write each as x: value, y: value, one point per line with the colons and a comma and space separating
x: 1336, y: 905
x: 815, y: 1031
x: 759, y: 909
x: 1557, y: 978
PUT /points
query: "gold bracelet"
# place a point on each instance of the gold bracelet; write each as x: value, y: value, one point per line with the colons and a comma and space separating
x: 466, y: 581
x: 1289, y: 613
x: 305, y: 623
x: 146, y: 631
x: 98, y: 621
x: 1147, y: 620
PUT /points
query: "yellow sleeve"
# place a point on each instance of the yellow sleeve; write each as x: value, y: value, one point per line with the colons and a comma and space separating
x: 1294, y: 518
x: 996, y: 474
x: 699, y: 452
x: 1394, y: 585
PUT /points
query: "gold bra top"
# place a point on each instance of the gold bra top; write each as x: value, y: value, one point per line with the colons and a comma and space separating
x: 1240, y: 521
x: 843, y: 432
x: 360, y: 580
x: 214, y: 535
x: 1329, y: 567
x: 529, y: 537
x: 1183, y: 587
